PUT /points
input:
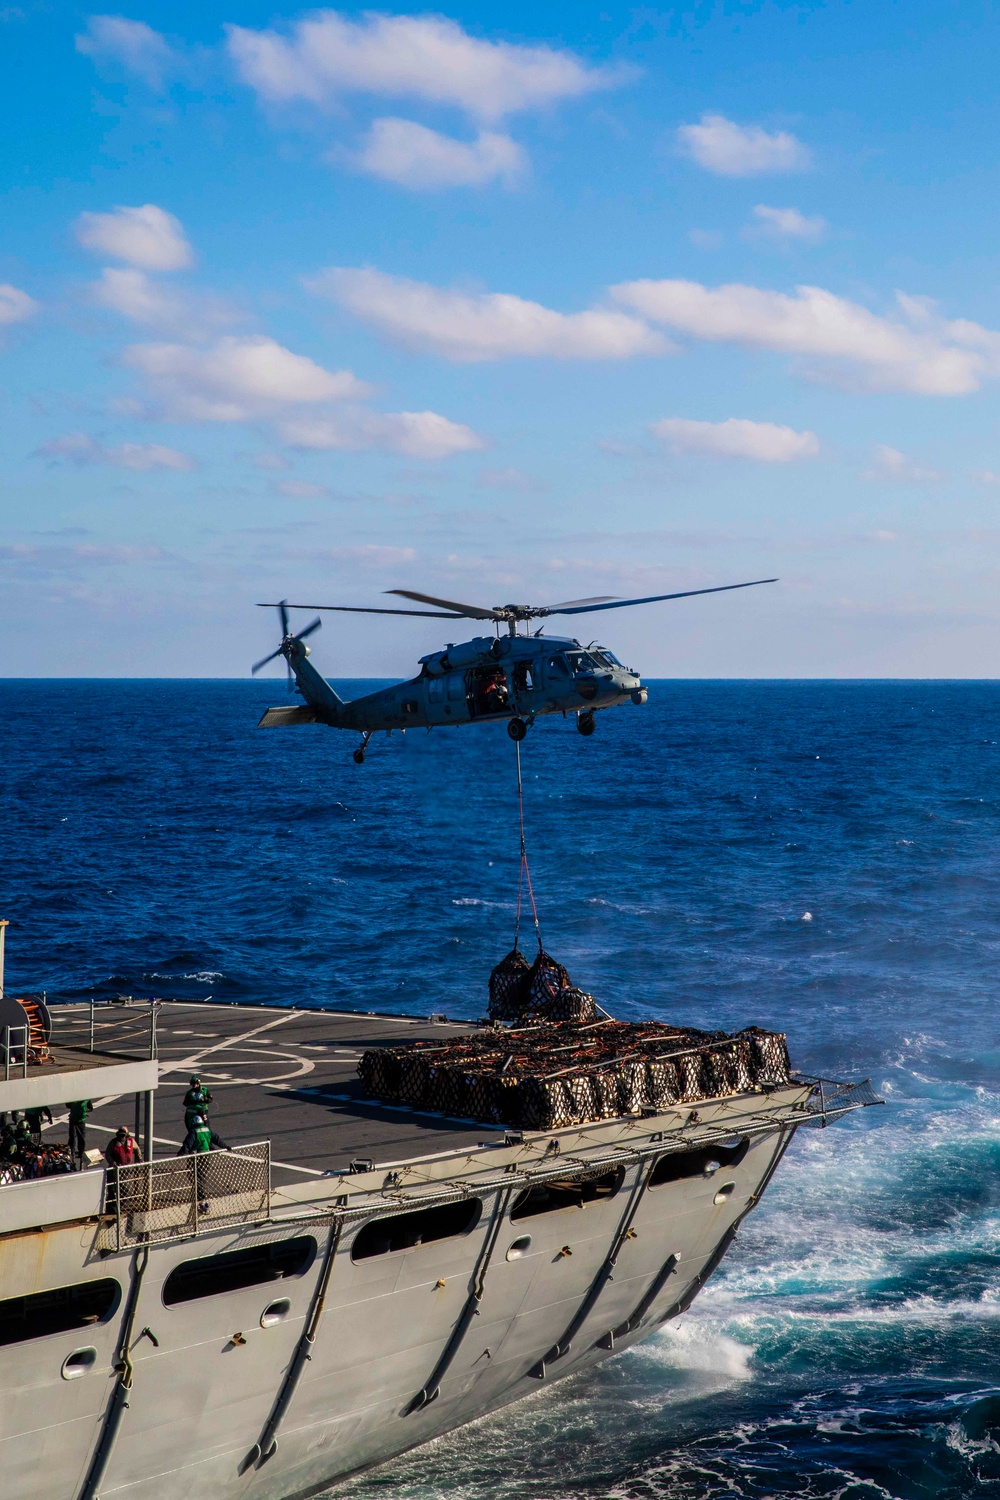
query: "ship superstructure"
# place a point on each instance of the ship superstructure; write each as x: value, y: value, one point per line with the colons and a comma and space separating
x: 353, y: 1277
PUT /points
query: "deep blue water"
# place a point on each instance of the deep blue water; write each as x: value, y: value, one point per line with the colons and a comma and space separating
x: 152, y: 840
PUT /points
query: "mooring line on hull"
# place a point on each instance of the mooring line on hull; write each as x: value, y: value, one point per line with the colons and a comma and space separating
x: 267, y: 1443
x: 118, y: 1402
x: 432, y: 1389
x: 604, y: 1274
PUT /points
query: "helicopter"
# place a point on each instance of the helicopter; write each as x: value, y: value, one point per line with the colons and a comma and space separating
x: 512, y: 678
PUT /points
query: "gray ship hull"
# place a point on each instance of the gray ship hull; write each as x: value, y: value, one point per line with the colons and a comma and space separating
x: 357, y: 1348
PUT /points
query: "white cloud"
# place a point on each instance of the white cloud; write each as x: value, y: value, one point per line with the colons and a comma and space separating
x: 428, y: 58
x: 917, y: 352
x: 134, y: 295
x: 130, y: 292
x: 147, y: 237
x: 257, y: 380
x: 133, y: 44
x: 890, y: 464
x: 789, y: 224
x: 737, y: 437
x: 419, y: 434
x: 984, y: 476
x: 720, y: 145
x: 510, y: 478
x: 15, y: 306
x: 468, y: 327
x: 237, y: 379
x: 416, y: 157
x: 81, y: 448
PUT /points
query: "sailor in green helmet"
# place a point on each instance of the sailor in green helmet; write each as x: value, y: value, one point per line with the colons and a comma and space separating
x: 201, y: 1137
x: 196, y: 1101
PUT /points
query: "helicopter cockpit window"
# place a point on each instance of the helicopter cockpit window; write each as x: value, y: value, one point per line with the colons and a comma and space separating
x: 583, y: 661
x: 522, y: 677
x: 435, y: 690
x: 556, y: 667
x: 607, y: 659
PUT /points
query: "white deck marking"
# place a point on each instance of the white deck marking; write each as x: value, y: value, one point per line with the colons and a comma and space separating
x: 195, y: 1057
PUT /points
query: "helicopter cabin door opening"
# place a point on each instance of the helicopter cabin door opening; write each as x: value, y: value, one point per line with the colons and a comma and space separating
x: 487, y: 692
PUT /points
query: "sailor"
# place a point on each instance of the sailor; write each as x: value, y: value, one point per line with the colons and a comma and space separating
x: 78, y: 1112
x: 201, y: 1137
x: 123, y: 1149
x: 34, y: 1120
x: 8, y: 1144
x: 196, y: 1101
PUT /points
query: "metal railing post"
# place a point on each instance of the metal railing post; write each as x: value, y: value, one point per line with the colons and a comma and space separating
x: 91, y: 1025
x: 6, y: 1052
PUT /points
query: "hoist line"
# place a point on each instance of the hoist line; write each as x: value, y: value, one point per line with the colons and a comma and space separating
x: 524, y: 869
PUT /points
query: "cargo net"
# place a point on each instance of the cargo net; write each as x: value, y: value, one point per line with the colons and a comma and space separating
x: 521, y: 991
x: 558, y: 1073
x: 185, y: 1195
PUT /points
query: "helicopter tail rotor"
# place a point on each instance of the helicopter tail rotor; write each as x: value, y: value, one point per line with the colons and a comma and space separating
x: 288, y: 643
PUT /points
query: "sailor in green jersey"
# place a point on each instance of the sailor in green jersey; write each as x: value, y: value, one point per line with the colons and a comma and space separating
x: 78, y: 1112
x: 35, y: 1117
x: 196, y: 1101
x: 201, y: 1137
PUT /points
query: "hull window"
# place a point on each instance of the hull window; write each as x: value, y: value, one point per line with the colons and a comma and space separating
x: 403, y: 1231
x: 235, y: 1269
x: 42, y: 1313
x: 550, y: 1196
x: 701, y: 1163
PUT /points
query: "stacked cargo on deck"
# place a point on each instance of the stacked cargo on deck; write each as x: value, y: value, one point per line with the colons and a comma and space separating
x: 541, y: 1077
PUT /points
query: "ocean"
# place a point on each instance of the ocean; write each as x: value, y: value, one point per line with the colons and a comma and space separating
x: 820, y: 857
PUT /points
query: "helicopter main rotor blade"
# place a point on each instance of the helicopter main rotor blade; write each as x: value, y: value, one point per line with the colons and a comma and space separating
x: 583, y: 609
x: 264, y: 661
x: 361, y: 609
x: 470, y: 611
x: 283, y: 614
x: 308, y: 630
x: 577, y: 603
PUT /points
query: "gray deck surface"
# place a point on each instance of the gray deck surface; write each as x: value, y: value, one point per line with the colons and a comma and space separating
x: 287, y: 1076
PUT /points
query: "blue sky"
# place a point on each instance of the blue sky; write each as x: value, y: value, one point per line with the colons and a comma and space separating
x: 501, y: 303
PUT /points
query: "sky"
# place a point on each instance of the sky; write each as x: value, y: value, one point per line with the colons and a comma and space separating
x: 504, y: 304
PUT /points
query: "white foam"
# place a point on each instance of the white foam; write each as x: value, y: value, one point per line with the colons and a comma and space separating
x: 688, y: 1345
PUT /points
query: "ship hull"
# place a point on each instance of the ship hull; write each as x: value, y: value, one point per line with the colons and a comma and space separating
x: 207, y: 1374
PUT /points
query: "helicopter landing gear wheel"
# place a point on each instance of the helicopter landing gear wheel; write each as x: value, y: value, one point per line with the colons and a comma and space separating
x: 359, y: 757
x: 585, y: 723
x: 517, y: 729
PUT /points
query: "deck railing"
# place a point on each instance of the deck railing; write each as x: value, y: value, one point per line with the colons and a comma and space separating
x: 124, y: 1027
x: 152, y: 1201
x: 14, y: 1048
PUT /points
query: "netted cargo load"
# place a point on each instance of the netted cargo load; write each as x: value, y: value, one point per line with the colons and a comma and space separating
x: 569, y: 1004
x: 508, y: 987
x: 519, y: 991
x: 551, y: 1074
